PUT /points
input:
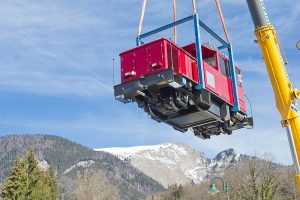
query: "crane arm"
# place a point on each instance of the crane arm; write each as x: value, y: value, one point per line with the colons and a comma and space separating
x: 285, y: 95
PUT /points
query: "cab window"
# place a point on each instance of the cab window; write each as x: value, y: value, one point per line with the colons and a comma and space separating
x: 224, y: 66
x: 239, y: 77
x: 211, y: 60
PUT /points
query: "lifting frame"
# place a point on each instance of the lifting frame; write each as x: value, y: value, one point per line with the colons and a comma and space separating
x: 197, y: 24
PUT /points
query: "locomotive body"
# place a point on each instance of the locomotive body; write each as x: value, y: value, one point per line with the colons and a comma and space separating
x: 161, y: 77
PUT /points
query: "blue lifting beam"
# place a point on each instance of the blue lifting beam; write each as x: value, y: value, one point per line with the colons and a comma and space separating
x: 197, y: 24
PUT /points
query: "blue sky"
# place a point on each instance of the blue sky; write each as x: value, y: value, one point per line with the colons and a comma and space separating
x: 56, y: 71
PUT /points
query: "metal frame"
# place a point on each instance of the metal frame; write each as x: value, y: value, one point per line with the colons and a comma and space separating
x: 293, y: 148
x: 197, y: 24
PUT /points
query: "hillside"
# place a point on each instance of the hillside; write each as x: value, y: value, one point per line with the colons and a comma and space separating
x: 69, y: 158
x: 175, y: 163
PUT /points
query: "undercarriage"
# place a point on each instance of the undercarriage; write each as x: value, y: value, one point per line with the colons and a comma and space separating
x: 173, y: 100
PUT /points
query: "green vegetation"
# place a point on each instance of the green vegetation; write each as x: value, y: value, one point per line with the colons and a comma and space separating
x: 251, y: 179
x: 260, y: 186
x: 29, y: 181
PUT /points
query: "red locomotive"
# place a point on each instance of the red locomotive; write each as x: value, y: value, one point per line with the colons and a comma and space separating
x: 161, y: 78
x: 191, y: 87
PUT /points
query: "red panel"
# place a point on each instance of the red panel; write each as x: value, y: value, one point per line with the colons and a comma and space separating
x: 225, y: 90
x: 230, y: 91
x: 191, y: 49
x: 154, y: 57
x: 128, y: 67
x: 195, y: 71
x: 181, y: 63
x: 141, y: 62
x: 156, y: 60
x: 241, y: 99
x: 173, y: 57
x: 188, y: 63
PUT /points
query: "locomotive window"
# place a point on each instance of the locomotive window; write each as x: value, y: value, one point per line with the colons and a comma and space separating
x: 211, y: 60
x: 224, y: 66
x: 239, y: 77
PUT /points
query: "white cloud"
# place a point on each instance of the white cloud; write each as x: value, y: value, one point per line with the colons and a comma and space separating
x: 46, y: 50
x: 54, y: 84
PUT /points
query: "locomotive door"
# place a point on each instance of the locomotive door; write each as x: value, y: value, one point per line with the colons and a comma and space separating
x: 225, y: 79
x: 240, y: 89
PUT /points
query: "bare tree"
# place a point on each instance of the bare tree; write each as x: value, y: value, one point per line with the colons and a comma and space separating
x: 95, y: 186
x: 251, y: 179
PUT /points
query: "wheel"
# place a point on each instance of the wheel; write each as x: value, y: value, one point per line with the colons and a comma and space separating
x: 199, y: 132
x: 154, y: 113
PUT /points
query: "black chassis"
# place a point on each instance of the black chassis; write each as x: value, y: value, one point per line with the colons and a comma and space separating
x: 172, y: 99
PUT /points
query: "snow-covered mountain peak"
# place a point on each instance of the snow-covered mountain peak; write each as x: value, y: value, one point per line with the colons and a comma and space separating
x: 126, y: 153
x: 228, y: 155
x: 171, y: 163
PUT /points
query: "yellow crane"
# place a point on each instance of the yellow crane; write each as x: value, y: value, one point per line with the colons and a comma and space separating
x: 286, y: 96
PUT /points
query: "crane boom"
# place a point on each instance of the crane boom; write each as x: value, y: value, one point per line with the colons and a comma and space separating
x: 285, y: 95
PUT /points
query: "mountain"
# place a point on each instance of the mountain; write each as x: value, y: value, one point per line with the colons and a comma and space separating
x: 172, y: 163
x: 69, y: 159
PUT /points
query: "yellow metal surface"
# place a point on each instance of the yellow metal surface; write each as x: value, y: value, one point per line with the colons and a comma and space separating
x: 297, y: 179
x: 296, y: 93
x: 295, y: 126
x: 285, y: 94
x: 267, y: 40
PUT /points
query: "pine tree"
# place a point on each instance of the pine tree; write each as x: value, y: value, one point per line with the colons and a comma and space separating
x: 27, y: 181
x: 33, y: 177
x: 15, y: 185
x: 49, y: 184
